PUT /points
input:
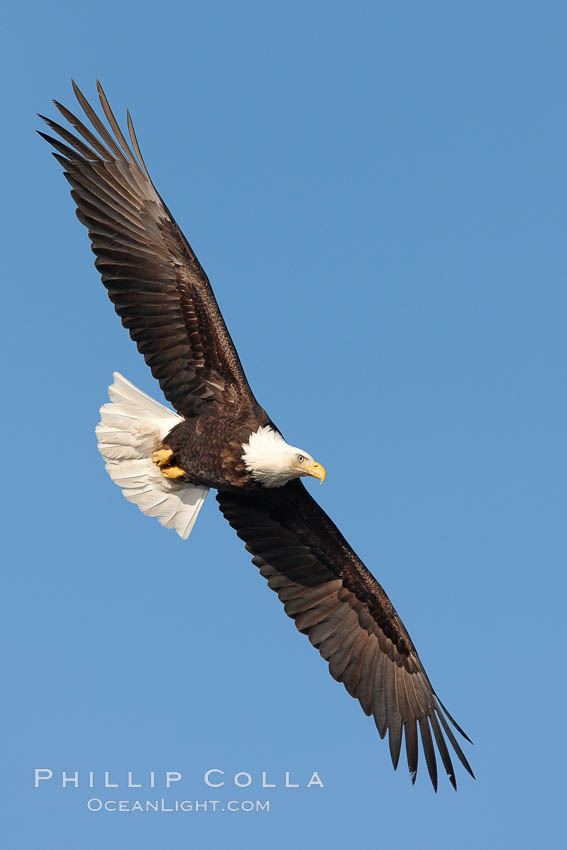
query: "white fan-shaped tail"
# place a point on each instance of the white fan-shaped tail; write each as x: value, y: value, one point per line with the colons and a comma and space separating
x: 132, y: 426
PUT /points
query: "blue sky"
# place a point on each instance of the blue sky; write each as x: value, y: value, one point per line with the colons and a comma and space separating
x: 378, y: 196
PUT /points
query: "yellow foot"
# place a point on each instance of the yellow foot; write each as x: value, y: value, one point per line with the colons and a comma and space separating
x: 172, y: 471
x: 162, y: 457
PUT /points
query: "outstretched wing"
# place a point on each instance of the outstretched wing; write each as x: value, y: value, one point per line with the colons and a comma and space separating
x: 346, y: 614
x: 154, y: 279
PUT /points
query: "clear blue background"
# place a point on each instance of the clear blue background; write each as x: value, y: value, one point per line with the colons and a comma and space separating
x: 377, y: 192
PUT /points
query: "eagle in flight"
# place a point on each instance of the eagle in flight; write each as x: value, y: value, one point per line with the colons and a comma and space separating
x: 221, y: 438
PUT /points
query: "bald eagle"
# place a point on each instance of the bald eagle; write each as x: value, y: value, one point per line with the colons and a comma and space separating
x: 221, y: 438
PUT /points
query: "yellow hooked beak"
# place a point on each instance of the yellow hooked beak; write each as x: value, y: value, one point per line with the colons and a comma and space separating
x: 316, y: 470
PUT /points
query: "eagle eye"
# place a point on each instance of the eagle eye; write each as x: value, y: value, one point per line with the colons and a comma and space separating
x: 300, y: 458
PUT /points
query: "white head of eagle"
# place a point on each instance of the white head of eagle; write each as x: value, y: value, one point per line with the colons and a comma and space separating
x: 273, y: 462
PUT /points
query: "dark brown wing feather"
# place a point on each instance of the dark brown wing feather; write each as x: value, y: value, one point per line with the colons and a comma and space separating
x: 154, y: 279
x: 346, y: 614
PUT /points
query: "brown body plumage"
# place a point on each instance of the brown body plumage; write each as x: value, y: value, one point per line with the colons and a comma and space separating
x: 209, y: 448
x: 164, y: 299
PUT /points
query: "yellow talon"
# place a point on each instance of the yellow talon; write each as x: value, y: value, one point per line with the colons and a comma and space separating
x: 162, y: 457
x: 172, y: 472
